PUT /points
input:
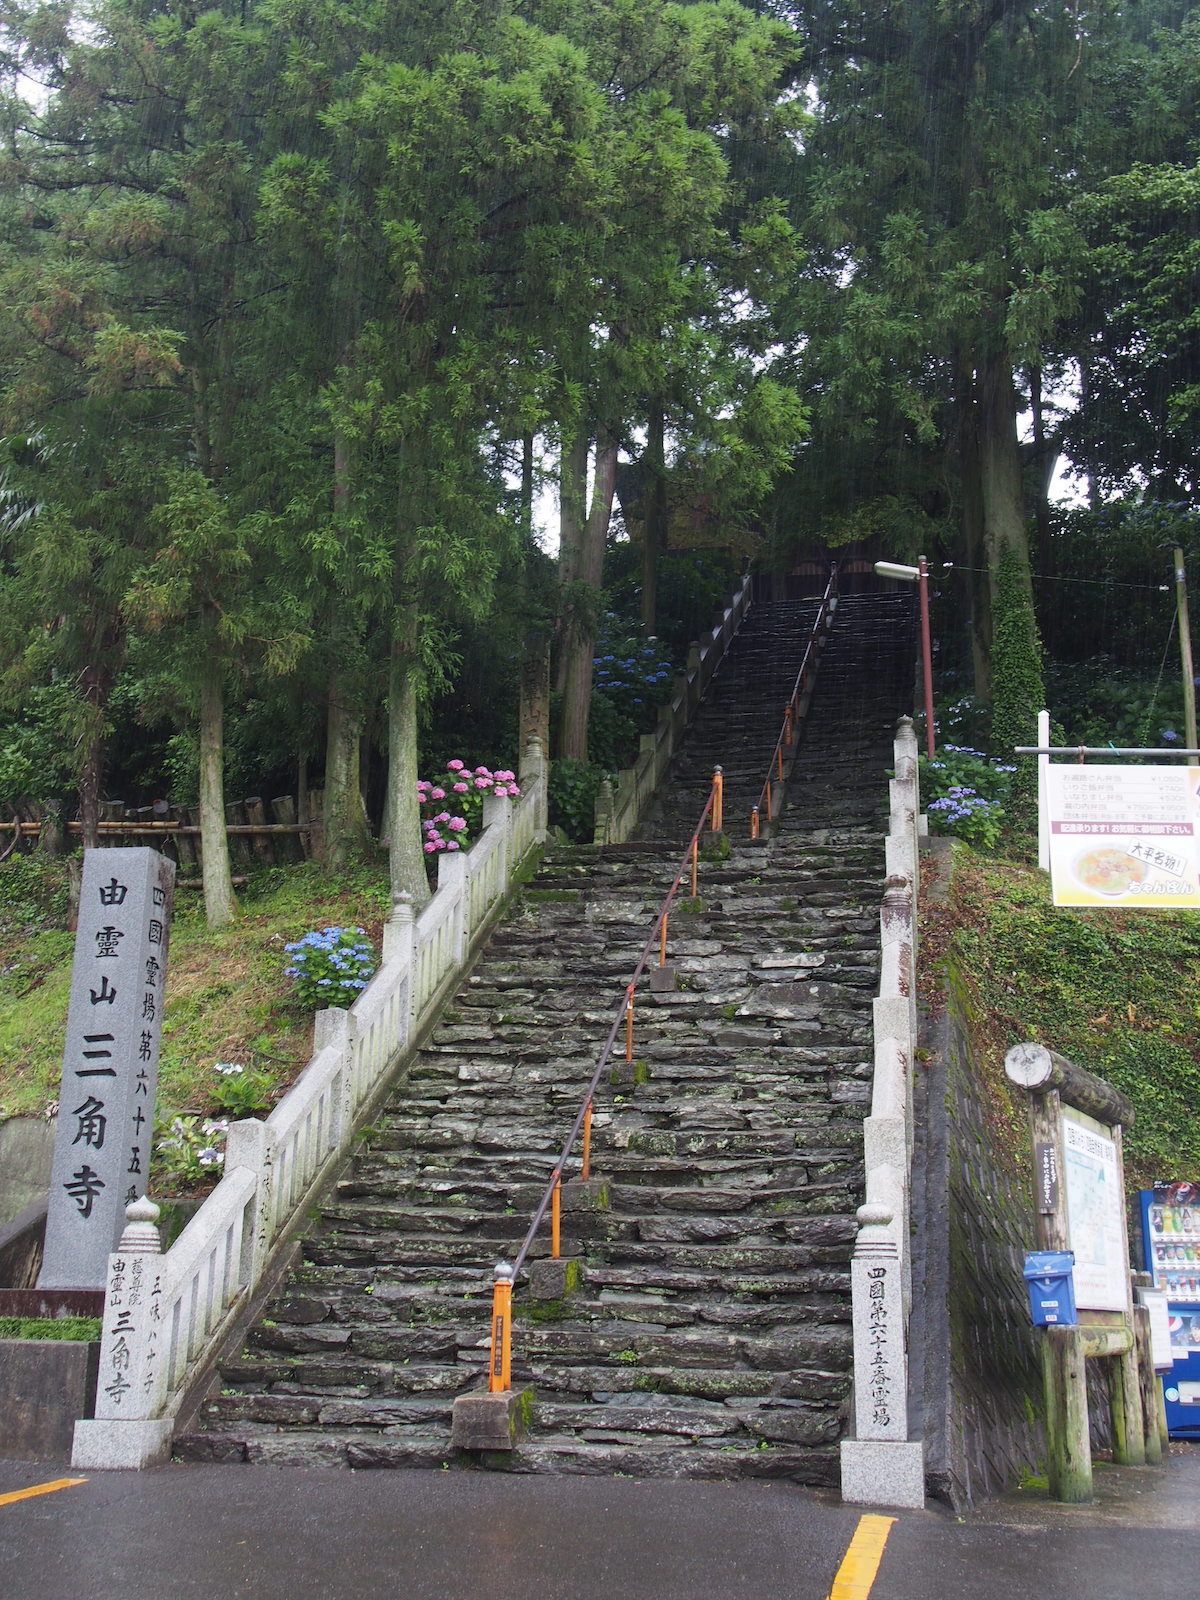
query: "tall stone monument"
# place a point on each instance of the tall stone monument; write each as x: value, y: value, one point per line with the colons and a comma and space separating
x: 110, y: 1065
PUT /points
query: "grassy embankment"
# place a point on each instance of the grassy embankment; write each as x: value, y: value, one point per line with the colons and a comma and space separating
x: 1116, y: 991
x: 227, y: 996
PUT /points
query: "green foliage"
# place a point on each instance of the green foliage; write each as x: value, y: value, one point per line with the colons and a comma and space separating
x: 241, y: 1091
x: 1018, y: 692
x: 83, y: 1330
x: 1111, y: 585
x: 331, y: 966
x: 188, y: 1151
x: 36, y: 759
x: 34, y: 893
x: 1099, y: 703
x: 1114, y: 990
x: 574, y: 786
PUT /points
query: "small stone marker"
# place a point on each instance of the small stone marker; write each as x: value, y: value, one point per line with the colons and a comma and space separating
x: 880, y: 1366
x: 110, y: 1065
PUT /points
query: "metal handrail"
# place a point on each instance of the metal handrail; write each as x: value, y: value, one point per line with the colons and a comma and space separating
x: 787, y: 732
x: 499, y: 1372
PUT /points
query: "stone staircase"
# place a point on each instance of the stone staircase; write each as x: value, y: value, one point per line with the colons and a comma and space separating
x: 711, y: 1335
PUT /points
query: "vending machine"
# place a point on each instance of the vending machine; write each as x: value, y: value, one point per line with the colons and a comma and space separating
x: 1171, y: 1237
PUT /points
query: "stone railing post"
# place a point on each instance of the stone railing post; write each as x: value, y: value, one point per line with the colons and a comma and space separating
x: 452, y: 877
x: 336, y: 1026
x: 399, y: 949
x: 250, y: 1144
x: 133, y: 1353
x: 533, y: 768
x: 398, y: 932
x: 497, y: 813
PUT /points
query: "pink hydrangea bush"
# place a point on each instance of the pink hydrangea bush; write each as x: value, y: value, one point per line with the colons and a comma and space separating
x: 452, y: 803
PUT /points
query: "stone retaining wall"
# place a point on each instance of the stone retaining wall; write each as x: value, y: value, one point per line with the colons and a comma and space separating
x: 982, y: 1370
x: 991, y: 1432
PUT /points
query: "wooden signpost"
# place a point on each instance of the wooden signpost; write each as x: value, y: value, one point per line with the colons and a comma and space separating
x: 1079, y: 1183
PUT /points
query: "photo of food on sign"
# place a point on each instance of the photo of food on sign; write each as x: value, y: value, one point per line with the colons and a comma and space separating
x: 1109, y: 871
x: 1124, y: 835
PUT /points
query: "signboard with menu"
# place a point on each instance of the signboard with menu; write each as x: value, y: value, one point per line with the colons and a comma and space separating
x: 1124, y: 836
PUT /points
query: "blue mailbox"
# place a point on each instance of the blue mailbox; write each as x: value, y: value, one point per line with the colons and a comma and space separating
x: 1049, y: 1277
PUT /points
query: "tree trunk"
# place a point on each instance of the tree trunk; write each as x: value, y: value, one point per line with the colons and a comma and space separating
x: 654, y: 523
x: 406, y: 856
x: 572, y: 514
x: 1004, y: 525
x: 527, y: 488
x: 345, y: 817
x: 978, y: 586
x: 1045, y: 458
x: 220, y: 904
x: 345, y: 823
x: 91, y: 778
x: 579, y: 646
x: 1018, y: 693
x: 95, y: 683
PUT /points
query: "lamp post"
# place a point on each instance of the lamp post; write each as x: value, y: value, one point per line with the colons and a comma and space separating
x: 919, y: 574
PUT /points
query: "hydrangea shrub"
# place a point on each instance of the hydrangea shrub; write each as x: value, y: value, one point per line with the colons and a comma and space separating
x: 331, y: 966
x: 452, y: 804
x: 963, y: 791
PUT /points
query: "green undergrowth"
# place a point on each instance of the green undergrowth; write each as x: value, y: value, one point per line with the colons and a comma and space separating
x: 227, y: 996
x: 1118, y: 992
x: 79, y: 1330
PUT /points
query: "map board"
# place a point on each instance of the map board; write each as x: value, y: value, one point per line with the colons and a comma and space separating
x: 1124, y: 836
x: 1095, y: 1220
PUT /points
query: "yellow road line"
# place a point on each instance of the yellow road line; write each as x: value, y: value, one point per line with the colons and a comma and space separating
x: 40, y: 1488
x: 861, y: 1561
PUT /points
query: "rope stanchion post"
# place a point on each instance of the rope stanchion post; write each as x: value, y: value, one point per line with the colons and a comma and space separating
x: 695, y: 868
x: 779, y: 762
x: 718, y: 805
x: 500, y: 1370
x: 789, y: 717
x: 586, y: 1171
x: 770, y: 813
x: 754, y: 822
x: 662, y: 941
x: 556, y: 1218
x: 629, y: 1024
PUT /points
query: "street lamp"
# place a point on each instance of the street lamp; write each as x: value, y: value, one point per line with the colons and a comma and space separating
x: 919, y: 574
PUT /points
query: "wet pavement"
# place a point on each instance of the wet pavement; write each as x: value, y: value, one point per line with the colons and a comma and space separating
x: 304, y: 1534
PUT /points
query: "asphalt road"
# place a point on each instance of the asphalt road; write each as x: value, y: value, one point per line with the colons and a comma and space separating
x: 182, y: 1533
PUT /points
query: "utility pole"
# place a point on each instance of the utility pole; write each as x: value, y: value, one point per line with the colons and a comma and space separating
x: 1185, y: 651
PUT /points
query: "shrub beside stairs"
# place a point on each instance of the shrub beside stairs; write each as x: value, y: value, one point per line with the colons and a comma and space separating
x: 710, y: 1334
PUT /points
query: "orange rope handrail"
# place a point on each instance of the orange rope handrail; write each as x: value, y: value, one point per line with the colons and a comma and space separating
x: 787, y: 733
x: 500, y: 1364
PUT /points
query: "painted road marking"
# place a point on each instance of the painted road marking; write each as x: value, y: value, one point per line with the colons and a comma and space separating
x: 40, y: 1488
x: 861, y: 1561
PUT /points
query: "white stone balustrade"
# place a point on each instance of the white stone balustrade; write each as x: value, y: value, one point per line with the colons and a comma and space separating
x: 168, y: 1315
x: 882, y: 1464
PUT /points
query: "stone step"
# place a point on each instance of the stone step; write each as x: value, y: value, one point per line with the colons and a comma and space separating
x: 569, y: 1453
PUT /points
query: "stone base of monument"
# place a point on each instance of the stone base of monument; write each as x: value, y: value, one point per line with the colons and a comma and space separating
x: 122, y: 1444
x: 46, y: 1385
x: 883, y: 1472
x: 51, y: 1302
x: 486, y: 1421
